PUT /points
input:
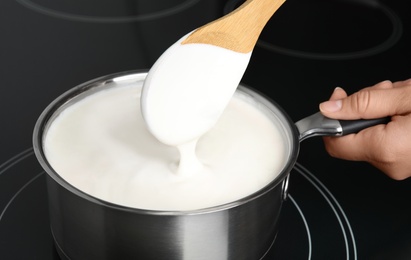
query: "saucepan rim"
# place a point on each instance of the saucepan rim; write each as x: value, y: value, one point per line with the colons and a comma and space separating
x: 95, y: 84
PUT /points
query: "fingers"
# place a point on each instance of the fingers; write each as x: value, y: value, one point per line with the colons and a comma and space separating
x: 380, y: 100
x: 387, y: 147
x: 386, y: 84
x: 356, y: 147
x: 402, y: 83
x: 338, y: 93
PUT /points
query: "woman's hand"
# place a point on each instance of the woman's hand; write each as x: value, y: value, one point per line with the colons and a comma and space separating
x: 387, y: 147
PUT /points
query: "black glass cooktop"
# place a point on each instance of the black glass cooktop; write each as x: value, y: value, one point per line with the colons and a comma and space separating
x: 335, y: 209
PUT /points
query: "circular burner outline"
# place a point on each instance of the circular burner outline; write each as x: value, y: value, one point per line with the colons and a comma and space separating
x: 310, y: 247
x: 322, y: 189
x: 385, y: 45
x: 15, y: 159
x: 18, y: 192
x: 103, y: 19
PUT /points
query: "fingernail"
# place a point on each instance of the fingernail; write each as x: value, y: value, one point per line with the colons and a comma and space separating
x: 331, y: 106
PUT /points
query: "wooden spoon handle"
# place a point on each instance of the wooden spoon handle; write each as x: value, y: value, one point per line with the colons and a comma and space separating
x: 238, y: 30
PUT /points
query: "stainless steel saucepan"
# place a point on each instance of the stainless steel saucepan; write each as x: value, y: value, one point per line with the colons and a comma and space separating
x: 85, y: 227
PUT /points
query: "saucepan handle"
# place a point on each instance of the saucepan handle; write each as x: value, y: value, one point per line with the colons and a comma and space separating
x: 319, y: 125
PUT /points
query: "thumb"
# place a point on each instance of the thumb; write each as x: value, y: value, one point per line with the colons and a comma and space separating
x: 369, y: 103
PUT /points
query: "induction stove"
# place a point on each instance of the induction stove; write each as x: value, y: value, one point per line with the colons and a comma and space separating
x: 335, y: 209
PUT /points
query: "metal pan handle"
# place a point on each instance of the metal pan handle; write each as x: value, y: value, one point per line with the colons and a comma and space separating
x: 319, y: 125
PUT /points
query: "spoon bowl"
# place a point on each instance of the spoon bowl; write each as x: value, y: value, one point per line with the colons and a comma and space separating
x: 191, y: 83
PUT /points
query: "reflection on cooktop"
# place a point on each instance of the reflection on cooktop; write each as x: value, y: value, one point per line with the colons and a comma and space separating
x: 107, y: 11
x: 330, y: 29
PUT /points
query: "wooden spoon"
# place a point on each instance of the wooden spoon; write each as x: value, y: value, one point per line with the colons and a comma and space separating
x: 238, y: 30
x: 188, y: 87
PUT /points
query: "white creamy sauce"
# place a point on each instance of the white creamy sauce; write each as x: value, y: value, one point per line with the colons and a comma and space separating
x: 101, y: 145
x: 188, y: 88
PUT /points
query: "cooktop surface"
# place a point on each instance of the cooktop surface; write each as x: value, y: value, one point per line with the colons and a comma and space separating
x: 335, y: 210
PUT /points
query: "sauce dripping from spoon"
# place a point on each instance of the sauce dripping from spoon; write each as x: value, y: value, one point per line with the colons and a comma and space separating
x: 189, y: 86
